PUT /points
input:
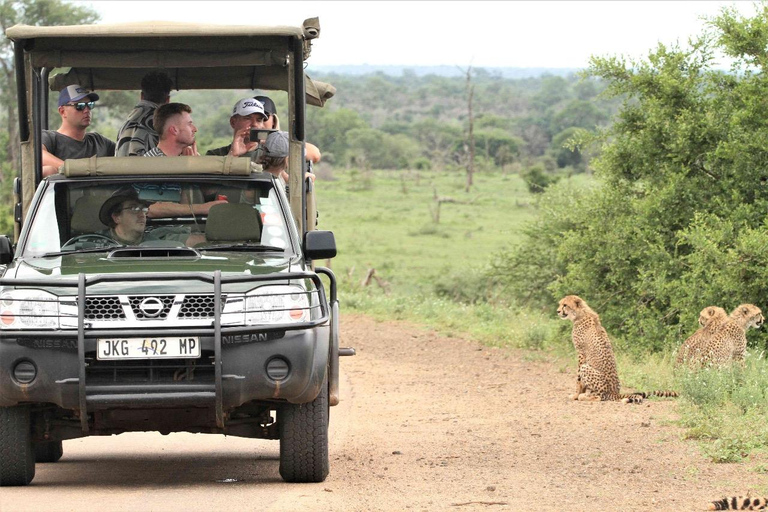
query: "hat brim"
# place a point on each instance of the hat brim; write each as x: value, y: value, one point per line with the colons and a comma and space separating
x: 91, y: 96
x: 266, y: 116
x: 105, y: 212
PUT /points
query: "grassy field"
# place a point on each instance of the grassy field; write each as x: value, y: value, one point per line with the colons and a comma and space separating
x: 386, y: 221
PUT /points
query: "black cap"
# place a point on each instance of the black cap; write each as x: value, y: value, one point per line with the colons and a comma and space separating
x: 269, y: 105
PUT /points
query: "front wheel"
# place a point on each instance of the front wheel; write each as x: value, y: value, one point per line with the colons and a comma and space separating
x: 17, y: 458
x: 304, y: 440
x: 48, y: 451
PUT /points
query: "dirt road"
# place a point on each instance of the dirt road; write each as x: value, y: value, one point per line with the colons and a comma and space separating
x: 426, y: 423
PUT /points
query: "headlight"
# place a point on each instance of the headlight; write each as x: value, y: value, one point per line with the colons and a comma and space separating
x: 277, y: 305
x: 29, y: 309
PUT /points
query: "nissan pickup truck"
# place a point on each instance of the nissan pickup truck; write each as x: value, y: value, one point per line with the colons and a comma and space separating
x: 112, y: 320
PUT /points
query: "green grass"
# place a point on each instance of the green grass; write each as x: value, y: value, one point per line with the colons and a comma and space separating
x: 385, y: 220
x: 382, y: 221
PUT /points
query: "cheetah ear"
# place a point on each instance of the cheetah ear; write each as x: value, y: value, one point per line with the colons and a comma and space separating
x: 577, y: 303
x: 711, y: 312
x: 745, y: 310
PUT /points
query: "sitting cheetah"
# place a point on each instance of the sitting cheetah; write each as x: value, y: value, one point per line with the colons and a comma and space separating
x: 739, y: 503
x: 728, y: 341
x: 597, y: 376
x: 710, y: 319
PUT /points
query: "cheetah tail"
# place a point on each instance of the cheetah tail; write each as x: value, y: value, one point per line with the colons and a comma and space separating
x: 739, y: 503
x: 631, y: 398
x: 665, y: 393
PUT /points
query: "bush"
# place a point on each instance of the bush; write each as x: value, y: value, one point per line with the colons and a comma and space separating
x: 678, y: 221
x: 537, y: 179
x: 422, y: 164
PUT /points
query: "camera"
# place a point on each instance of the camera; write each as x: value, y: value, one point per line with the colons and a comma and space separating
x: 257, y: 134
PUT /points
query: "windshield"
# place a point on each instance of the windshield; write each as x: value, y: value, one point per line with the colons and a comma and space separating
x: 205, y: 215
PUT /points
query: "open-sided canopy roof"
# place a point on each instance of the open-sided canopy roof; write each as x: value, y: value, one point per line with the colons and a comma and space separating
x: 197, y: 56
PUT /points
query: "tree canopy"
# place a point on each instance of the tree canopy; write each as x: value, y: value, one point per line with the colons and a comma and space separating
x: 678, y: 218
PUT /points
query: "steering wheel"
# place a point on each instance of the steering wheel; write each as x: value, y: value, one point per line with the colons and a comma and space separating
x: 90, y: 238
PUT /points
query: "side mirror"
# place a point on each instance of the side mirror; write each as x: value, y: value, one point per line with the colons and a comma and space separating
x: 319, y: 245
x: 6, y: 251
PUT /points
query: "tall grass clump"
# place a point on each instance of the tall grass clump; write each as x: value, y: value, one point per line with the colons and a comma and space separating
x: 726, y: 408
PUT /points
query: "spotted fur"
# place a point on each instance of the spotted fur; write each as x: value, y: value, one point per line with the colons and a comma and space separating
x: 597, y: 377
x: 710, y: 319
x: 728, y: 341
x: 739, y: 503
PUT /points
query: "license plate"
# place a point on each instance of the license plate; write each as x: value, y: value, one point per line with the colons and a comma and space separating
x: 148, y: 348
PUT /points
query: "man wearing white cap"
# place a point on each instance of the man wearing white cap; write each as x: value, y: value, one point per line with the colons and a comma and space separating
x: 71, y: 139
x: 247, y: 114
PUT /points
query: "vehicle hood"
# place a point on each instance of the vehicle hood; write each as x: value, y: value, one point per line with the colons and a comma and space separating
x: 67, y: 268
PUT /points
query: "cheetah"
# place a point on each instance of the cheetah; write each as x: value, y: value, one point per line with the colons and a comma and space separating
x: 739, y: 503
x: 710, y: 319
x: 728, y: 342
x: 597, y: 378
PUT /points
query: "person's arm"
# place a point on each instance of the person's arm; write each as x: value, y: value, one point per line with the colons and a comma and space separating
x: 51, y: 163
x: 165, y: 209
x: 311, y: 153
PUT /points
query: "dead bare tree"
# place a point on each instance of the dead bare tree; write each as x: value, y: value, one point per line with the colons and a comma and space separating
x: 439, y: 200
x: 471, y: 136
x: 371, y: 275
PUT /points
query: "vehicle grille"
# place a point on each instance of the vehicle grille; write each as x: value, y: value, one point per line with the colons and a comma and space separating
x: 103, y: 308
x: 167, y: 301
x: 116, y: 308
x: 199, y: 306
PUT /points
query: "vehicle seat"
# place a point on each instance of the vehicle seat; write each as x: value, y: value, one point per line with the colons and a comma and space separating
x: 232, y: 222
x: 85, y: 215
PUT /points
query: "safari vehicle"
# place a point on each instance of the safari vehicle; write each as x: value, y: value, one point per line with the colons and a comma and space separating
x: 215, y: 323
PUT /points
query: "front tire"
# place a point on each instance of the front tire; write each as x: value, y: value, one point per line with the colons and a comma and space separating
x: 17, y: 458
x: 49, y: 451
x: 304, y: 440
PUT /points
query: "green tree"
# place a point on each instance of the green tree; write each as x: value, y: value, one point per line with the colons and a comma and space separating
x: 577, y: 113
x: 678, y: 220
x: 563, y: 154
x: 373, y: 149
x: 327, y: 129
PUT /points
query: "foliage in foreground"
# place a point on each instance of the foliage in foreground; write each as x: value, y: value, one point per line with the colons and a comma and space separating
x: 726, y: 409
x: 678, y: 221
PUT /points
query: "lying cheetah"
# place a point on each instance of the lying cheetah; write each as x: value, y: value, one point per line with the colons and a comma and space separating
x: 728, y: 341
x: 710, y: 319
x: 597, y: 376
x: 739, y: 503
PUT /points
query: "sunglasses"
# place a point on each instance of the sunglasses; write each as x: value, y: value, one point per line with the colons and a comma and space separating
x: 81, y: 106
x: 136, y: 209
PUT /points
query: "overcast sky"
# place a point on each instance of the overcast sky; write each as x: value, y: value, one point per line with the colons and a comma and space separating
x: 455, y: 33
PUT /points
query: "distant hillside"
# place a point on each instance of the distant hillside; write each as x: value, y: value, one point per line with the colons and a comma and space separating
x: 446, y: 71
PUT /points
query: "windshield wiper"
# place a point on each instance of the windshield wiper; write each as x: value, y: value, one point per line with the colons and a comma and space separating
x: 242, y: 247
x: 81, y: 251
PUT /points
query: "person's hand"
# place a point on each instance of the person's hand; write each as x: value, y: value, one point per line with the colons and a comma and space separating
x: 190, y: 150
x: 204, y: 208
x: 241, y: 143
x: 195, y: 239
